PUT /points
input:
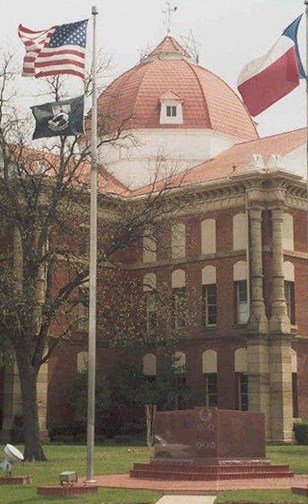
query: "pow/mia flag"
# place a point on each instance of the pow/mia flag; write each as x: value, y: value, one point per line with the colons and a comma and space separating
x: 59, y: 118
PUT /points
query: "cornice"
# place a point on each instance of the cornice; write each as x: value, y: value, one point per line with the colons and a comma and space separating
x: 265, y: 188
x: 185, y: 260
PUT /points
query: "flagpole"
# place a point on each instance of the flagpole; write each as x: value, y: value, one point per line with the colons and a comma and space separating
x: 93, y: 268
x: 306, y: 71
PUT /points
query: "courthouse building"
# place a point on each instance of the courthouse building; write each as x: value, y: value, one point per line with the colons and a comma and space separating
x: 239, y: 254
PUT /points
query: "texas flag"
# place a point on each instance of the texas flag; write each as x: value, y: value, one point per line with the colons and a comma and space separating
x: 265, y: 80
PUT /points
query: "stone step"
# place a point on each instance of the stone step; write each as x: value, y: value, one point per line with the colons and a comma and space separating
x: 194, y: 476
x: 251, y: 468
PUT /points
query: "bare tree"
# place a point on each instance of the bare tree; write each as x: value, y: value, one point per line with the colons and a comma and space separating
x: 44, y: 201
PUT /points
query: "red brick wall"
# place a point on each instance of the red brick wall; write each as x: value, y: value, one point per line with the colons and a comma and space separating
x: 226, y: 337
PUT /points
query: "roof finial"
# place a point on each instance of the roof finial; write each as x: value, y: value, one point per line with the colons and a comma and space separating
x: 168, y: 12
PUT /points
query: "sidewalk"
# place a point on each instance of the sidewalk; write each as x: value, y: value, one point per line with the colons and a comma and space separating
x: 182, y: 499
x: 198, y: 487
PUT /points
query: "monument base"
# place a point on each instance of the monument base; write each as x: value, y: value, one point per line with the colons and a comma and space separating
x: 209, y: 444
x: 225, y: 470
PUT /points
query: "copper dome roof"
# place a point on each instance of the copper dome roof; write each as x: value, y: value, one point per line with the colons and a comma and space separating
x: 133, y: 99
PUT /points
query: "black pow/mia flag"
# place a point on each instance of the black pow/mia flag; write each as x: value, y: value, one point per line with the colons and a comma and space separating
x: 59, y: 118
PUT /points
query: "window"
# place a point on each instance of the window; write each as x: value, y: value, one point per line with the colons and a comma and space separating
x: 151, y: 310
x: 290, y: 300
x: 209, y: 293
x: 294, y: 383
x: 83, y: 309
x: 242, y: 391
x: 288, y: 232
x: 149, y: 367
x: 294, y: 395
x: 178, y: 241
x: 171, y: 111
x: 211, y: 389
x: 208, y: 236
x: 83, y: 242
x: 149, y: 249
x: 241, y: 296
x: 240, y: 231
x: 171, y: 108
x: 82, y: 361
x: 178, y: 307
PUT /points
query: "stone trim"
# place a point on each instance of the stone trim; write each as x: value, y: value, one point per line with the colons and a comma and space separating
x: 185, y: 260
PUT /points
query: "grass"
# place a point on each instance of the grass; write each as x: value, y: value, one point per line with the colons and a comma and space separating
x: 111, y: 459
x: 294, y: 456
x: 260, y: 496
x: 108, y: 460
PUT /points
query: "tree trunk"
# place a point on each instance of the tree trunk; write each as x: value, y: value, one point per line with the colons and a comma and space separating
x: 28, y: 384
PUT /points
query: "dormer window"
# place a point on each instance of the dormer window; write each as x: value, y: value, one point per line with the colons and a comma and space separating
x: 171, y: 108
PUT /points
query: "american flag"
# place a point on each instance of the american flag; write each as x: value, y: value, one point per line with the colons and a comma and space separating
x: 57, y: 50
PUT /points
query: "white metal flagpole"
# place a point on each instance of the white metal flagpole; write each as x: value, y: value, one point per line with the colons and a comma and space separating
x: 306, y: 71
x: 93, y: 268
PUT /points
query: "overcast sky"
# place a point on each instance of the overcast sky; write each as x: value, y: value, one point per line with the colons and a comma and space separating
x: 229, y: 33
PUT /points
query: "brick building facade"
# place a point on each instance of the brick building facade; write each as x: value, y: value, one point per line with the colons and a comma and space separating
x: 236, y: 250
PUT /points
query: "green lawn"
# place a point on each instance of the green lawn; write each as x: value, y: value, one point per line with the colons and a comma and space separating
x: 119, y: 459
x: 260, y: 496
x: 296, y: 457
x: 108, y: 460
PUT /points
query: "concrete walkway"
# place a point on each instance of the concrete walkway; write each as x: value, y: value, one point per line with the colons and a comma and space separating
x: 198, y: 487
x: 186, y: 499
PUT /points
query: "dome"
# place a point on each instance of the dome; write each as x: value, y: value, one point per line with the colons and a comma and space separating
x: 133, y: 100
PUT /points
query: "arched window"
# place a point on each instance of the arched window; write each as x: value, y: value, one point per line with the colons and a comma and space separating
x: 288, y: 232
x: 149, y: 365
x: 208, y: 236
x: 209, y: 370
x: 83, y: 307
x: 82, y: 361
x: 149, y: 248
x: 241, y: 378
x: 294, y: 383
x: 178, y: 241
x: 240, y: 231
x: 179, y: 360
x: 209, y: 296
x: 289, y: 290
x: 149, y: 287
x: 240, y: 275
x: 178, y: 291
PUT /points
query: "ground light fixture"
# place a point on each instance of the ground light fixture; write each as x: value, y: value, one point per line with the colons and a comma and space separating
x: 68, y: 478
x: 12, y: 456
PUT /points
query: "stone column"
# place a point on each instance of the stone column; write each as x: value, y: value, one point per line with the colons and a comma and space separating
x: 259, y: 379
x: 280, y: 341
x: 11, y: 401
x: 279, y: 321
x: 12, y: 404
x: 257, y: 321
x: 12, y: 395
x: 281, y: 389
x: 257, y: 346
